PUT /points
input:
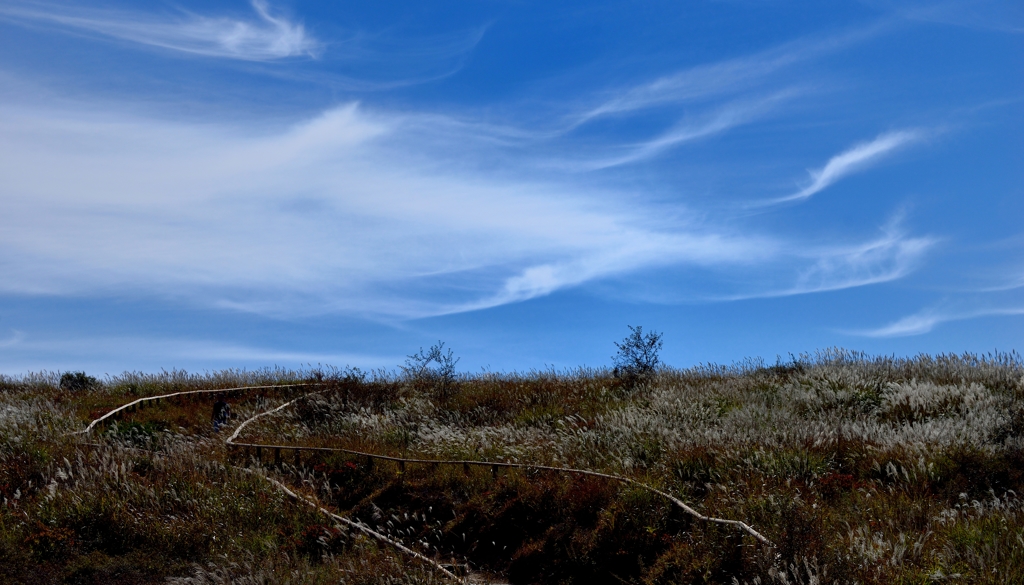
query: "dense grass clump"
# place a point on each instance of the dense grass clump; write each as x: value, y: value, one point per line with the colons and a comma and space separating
x: 858, y: 469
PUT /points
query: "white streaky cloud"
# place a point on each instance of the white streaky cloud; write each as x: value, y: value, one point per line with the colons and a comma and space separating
x: 857, y: 158
x: 640, y: 252
x: 351, y: 211
x: 917, y: 324
x: 722, y: 120
x: 335, y: 213
x: 818, y: 269
x: 265, y: 38
x: 713, y: 80
x: 997, y: 15
x: 1011, y: 284
x: 887, y: 258
x: 925, y: 321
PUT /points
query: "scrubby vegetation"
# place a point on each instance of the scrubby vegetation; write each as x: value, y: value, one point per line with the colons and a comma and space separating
x: 858, y: 469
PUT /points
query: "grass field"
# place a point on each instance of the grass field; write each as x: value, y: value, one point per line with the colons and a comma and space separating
x: 857, y: 469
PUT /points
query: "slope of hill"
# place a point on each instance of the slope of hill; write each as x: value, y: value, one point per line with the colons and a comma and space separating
x: 855, y: 469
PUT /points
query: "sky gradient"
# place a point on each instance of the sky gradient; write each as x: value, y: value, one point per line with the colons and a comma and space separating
x: 205, y: 185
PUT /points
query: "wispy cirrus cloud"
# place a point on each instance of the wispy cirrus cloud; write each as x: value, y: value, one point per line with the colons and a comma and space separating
x: 353, y: 211
x: 393, y: 214
x: 717, y: 79
x: 925, y: 321
x: 856, y: 158
x: 635, y: 251
x: 341, y: 212
x: 989, y: 301
x: 887, y: 258
x: 813, y: 268
x: 980, y: 14
x: 266, y: 37
x: 719, y: 96
x: 720, y: 120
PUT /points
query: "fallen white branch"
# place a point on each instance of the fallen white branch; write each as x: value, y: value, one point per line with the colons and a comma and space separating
x: 356, y: 525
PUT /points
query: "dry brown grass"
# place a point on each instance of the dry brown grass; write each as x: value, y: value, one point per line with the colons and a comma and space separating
x: 860, y: 470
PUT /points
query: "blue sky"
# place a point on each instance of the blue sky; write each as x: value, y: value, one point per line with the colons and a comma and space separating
x: 204, y: 185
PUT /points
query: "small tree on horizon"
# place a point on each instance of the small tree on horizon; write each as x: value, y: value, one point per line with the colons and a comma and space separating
x: 638, y: 354
x: 77, y: 381
x: 434, y: 366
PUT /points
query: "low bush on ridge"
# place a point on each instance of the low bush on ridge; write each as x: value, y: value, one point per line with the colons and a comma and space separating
x: 858, y: 469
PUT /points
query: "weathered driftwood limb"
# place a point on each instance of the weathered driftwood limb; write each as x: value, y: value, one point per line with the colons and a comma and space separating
x: 358, y: 526
x: 156, y: 400
x: 230, y: 440
x: 495, y: 465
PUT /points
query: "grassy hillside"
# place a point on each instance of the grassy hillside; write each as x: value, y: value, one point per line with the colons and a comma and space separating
x: 857, y: 469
